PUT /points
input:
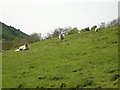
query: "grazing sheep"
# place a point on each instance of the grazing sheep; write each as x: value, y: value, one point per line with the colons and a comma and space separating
x: 61, y: 37
x: 96, y: 29
x: 24, y: 47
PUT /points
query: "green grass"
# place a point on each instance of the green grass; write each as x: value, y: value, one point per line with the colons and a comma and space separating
x: 83, y: 60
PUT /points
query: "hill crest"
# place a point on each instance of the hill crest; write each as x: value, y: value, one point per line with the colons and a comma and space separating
x: 11, y: 33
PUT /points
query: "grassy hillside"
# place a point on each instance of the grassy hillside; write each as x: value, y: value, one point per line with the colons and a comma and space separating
x: 10, y: 33
x: 83, y: 60
x: 11, y: 37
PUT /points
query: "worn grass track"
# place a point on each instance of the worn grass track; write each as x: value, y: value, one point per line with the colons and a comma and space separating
x: 83, y: 60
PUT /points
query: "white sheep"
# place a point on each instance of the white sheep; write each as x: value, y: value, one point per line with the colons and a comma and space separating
x: 96, y: 29
x: 24, y: 47
x: 61, y: 37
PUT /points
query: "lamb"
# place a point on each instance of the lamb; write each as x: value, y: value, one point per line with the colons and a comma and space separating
x: 24, y: 47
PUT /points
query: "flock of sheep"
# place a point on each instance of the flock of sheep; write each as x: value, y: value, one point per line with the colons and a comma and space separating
x: 26, y: 47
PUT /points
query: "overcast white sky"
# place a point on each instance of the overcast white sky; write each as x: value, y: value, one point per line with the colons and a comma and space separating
x: 43, y: 16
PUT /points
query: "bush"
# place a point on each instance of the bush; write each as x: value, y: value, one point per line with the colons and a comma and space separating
x: 93, y: 28
x: 84, y: 30
x: 73, y: 31
x: 87, y: 29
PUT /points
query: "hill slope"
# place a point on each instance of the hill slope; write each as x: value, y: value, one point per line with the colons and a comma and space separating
x: 10, y: 33
x: 87, y: 59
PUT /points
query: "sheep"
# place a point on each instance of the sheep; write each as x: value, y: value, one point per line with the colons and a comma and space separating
x: 96, y: 29
x: 61, y: 37
x: 24, y: 47
x: 17, y: 50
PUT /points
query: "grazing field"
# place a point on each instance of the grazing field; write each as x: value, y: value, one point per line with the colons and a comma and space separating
x: 83, y: 60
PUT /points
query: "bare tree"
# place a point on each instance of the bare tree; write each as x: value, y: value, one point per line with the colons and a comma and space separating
x: 49, y: 35
x: 33, y: 38
x: 56, y: 32
x: 67, y: 30
x: 59, y: 30
x: 118, y: 21
x: 102, y: 25
x: 114, y: 22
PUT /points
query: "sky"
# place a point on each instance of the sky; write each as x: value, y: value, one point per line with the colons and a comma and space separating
x: 43, y: 16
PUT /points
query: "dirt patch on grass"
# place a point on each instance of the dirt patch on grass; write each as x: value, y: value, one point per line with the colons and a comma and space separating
x: 57, y: 78
x: 41, y: 78
x: 78, y: 70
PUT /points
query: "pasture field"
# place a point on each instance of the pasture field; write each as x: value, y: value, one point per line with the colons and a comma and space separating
x: 83, y: 60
